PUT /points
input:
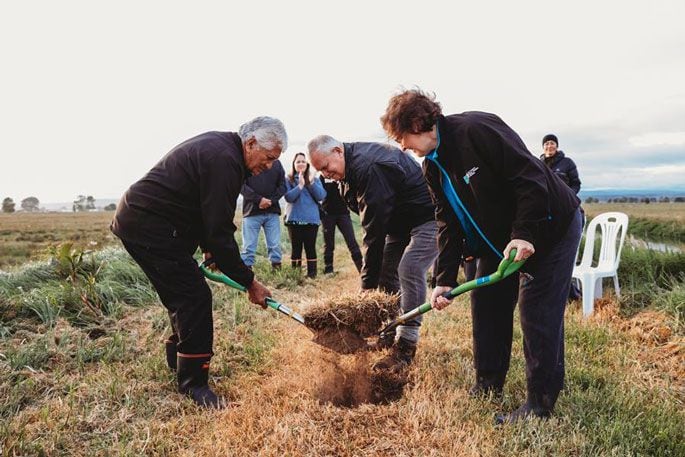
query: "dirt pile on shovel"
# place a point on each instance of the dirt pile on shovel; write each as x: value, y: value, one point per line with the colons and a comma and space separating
x: 343, y: 323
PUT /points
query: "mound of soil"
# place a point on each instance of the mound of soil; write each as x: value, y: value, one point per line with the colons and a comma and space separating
x: 362, y: 313
x: 343, y: 323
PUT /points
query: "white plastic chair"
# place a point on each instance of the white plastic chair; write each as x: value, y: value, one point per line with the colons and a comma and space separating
x: 612, y: 225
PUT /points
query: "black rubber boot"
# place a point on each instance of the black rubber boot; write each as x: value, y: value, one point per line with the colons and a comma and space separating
x: 488, y: 386
x: 328, y: 270
x: 387, y: 340
x: 524, y: 412
x: 311, y: 269
x: 275, y: 266
x: 170, y: 346
x: 296, y: 264
x: 400, y: 357
x: 193, y: 377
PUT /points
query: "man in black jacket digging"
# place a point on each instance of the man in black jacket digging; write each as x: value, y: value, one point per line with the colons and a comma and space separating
x: 188, y: 200
x: 492, y: 196
x: 386, y: 188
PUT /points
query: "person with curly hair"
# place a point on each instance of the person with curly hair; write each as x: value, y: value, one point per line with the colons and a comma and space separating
x: 492, y: 196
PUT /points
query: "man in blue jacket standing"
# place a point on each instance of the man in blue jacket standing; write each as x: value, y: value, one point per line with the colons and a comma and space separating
x: 261, y: 209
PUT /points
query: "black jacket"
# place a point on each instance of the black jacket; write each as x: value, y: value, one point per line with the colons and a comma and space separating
x: 333, y: 204
x: 267, y: 184
x: 564, y: 168
x: 189, y: 199
x: 386, y: 188
x: 508, y: 192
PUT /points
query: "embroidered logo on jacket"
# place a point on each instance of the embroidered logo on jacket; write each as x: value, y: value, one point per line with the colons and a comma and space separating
x: 469, y: 174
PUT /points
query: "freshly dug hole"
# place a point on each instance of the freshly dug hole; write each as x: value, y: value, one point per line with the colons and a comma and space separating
x: 349, y: 382
x: 343, y: 323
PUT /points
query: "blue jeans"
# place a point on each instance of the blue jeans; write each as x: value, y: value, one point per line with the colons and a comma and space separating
x: 272, y: 232
x: 406, y: 259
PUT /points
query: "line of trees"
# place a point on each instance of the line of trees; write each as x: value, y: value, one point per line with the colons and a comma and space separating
x: 29, y: 204
x: 32, y: 204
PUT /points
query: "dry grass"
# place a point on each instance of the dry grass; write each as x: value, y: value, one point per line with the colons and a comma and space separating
x: 658, y: 211
x: 73, y: 394
x: 25, y: 236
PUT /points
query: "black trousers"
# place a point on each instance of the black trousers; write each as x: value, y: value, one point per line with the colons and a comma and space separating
x: 542, y: 296
x: 303, y: 236
x: 184, y: 292
x: 344, y: 223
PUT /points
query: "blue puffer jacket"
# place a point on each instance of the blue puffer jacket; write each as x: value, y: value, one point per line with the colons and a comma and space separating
x: 302, y: 207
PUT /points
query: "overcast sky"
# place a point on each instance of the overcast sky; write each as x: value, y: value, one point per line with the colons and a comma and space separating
x: 93, y: 93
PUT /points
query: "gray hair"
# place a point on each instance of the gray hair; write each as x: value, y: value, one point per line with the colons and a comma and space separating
x: 268, y: 131
x: 323, y: 144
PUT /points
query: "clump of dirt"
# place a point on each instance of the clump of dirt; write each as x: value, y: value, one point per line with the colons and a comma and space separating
x: 343, y: 323
x: 363, y: 313
x: 351, y: 381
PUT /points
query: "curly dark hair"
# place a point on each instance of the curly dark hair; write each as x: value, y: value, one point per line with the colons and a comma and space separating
x: 411, y: 111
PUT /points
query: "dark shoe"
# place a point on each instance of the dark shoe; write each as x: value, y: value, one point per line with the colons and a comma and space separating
x: 296, y: 264
x: 400, y: 357
x: 328, y: 270
x: 311, y: 268
x: 386, y: 340
x: 170, y: 347
x: 275, y: 266
x: 486, y: 391
x: 524, y: 412
x: 193, y: 377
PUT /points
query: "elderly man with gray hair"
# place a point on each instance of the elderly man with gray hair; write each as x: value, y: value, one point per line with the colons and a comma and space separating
x: 188, y: 200
x: 387, y: 189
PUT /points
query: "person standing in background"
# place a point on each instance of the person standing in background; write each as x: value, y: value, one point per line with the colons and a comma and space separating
x: 334, y: 213
x: 557, y: 161
x: 567, y: 171
x: 261, y: 209
x: 303, y: 192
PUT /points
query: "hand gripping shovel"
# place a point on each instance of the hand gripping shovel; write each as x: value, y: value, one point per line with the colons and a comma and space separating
x: 506, y: 267
x: 271, y: 303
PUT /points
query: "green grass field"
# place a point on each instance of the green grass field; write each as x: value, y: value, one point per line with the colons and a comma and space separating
x: 82, y: 369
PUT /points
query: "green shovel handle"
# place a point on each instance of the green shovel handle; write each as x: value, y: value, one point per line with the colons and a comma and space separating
x: 270, y: 302
x: 220, y: 277
x: 506, y: 268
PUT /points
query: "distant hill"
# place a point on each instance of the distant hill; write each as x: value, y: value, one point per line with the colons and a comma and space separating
x: 605, y: 194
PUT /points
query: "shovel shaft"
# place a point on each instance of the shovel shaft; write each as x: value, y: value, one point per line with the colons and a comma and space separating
x: 506, y: 267
x: 270, y: 302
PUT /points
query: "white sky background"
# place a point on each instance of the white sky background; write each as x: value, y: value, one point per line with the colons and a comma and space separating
x: 93, y: 93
